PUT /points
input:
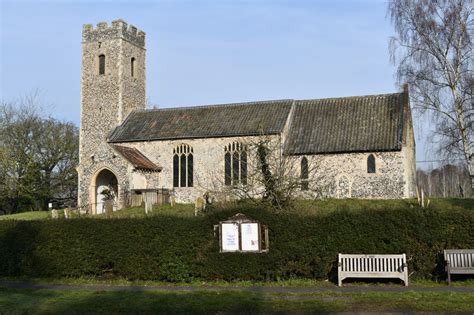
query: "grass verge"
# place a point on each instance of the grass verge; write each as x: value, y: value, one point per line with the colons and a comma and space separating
x: 466, y: 282
x: 212, y: 302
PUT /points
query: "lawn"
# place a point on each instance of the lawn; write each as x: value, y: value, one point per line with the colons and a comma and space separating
x: 32, y: 215
x: 33, y: 301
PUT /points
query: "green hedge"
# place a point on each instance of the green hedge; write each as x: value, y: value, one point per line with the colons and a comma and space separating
x: 179, y: 249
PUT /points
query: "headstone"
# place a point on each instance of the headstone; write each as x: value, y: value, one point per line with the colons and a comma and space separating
x: 199, y: 205
x: 172, y: 201
x: 54, y: 214
x: 67, y: 213
x: 149, y: 196
x: 109, y: 208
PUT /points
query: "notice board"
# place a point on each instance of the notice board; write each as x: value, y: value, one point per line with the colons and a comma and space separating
x: 241, y: 234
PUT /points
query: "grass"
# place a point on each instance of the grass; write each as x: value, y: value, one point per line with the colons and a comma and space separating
x: 301, y: 207
x: 466, y: 281
x: 33, y: 215
x: 179, y: 210
x: 33, y: 301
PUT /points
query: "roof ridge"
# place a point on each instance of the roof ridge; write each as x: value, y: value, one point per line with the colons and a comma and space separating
x: 214, y: 105
x: 263, y: 101
x: 346, y: 97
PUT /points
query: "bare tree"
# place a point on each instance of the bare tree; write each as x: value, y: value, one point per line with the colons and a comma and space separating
x: 445, y: 181
x: 38, y: 156
x: 433, y: 52
x: 270, y: 175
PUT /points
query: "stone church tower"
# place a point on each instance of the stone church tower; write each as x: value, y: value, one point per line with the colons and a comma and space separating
x: 112, y: 85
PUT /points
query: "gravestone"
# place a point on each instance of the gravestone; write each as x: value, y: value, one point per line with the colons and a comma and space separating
x: 67, y: 213
x: 54, y: 214
x: 199, y: 205
x: 109, y: 208
x: 172, y: 201
x: 150, y: 196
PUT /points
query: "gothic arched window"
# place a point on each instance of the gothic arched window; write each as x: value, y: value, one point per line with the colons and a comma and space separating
x: 371, y: 164
x: 132, y: 66
x: 102, y: 64
x: 183, y: 165
x: 235, y: 164
x: 304, y: 174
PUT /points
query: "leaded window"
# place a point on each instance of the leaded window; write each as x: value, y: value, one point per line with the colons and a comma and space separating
x: 183, y: 166
x: 235, y: 164
x: 371, y: 164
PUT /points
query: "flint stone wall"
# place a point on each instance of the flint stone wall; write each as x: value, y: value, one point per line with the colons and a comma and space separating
x: 346, y: 176
x: 331, y: 175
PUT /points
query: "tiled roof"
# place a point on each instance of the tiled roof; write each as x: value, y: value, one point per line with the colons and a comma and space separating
x: 347, y: 124
x: 332, y: 125
x: 136, y: 158
x: 241, y: 119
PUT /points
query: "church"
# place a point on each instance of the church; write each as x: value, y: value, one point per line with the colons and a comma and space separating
x: 343, y: 147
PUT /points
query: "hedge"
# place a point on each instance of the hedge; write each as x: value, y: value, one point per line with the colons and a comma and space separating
x: 174, y: 248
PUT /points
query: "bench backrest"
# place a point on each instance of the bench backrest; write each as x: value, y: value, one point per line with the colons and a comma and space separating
x: 372, y: 263
x: 459, y: 258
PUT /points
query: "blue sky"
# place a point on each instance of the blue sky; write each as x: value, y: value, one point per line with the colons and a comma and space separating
x: 204, y: 51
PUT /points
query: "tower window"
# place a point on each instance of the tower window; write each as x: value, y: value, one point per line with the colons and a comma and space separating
x: 371, y: 164
x: 183, y: 166
x: 102, y: 64
x: 235, y: 164
x: 132, y: 66
x: 304, y: 174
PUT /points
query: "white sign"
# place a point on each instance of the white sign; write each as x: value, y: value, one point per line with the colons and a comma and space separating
x: 50, y: 205
x: 250, y: 237
x: 230, y: 237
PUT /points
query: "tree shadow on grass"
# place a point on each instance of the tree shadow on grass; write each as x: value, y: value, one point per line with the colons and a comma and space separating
x: 151, y: 302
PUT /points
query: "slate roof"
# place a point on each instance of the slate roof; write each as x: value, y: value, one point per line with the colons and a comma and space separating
x: 317, y: 126
x: 136, y: 158
x: 240, y: 119
x: 347, y: 124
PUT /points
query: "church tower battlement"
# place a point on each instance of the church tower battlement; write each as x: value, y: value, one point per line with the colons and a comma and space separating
x: 112, y: 81
x: 118, y: 29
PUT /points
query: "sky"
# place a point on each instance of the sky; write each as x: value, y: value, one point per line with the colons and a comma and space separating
x: 205, y: 51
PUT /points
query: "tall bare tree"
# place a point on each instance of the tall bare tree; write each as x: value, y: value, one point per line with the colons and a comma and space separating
x: 433, y: 52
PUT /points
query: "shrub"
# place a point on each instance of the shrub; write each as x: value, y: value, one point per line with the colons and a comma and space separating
x: 302, y: 244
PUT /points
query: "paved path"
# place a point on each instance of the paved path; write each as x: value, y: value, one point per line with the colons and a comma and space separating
x: 255, y: 289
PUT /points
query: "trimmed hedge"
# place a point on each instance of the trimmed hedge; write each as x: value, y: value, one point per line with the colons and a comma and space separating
x: 174, y: 248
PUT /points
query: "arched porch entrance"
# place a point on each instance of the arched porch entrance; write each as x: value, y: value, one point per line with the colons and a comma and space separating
x: 105, y: 186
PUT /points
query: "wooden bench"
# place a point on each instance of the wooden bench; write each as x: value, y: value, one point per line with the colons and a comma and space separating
x: 459, y: 261
x: 372, y: 266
